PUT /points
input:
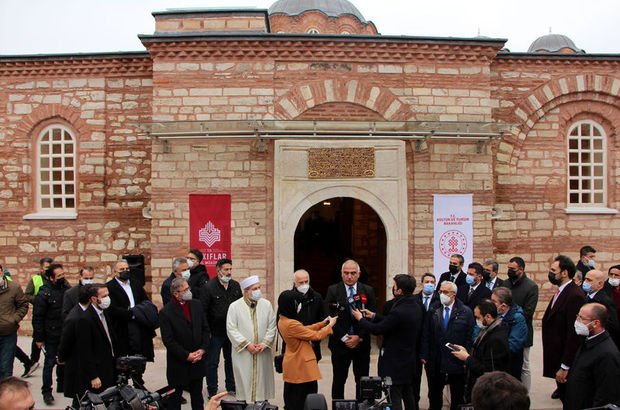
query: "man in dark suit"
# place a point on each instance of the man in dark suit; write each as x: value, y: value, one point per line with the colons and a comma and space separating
x: 400, y: 329
x: 593, y: 285
x: 456, y: 275
x: 491, y: 270
x: 349, y: 343
x: 125, y: 294
x: 452, y: 322
x: 185, y: 334
x: 96, y: 342
x: 593, y: 378
x: 75, y: 384
x: 476, y: 289
x: 587, y: 254
x: 72, y: 296
x: 560, y: 342
x: 428, y: 300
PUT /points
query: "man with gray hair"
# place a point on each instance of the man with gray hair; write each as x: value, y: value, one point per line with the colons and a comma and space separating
x: 185, y: 334
x: 180, y: 269
x: 491, y: 270
x: 349, y: 342
x: 450, y: 323
x: 312, y: 309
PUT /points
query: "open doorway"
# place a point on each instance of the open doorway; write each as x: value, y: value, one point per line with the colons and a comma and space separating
x: 337, y: 229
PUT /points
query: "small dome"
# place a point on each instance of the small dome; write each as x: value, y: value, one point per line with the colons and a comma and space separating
x: 331, y: 8
x: 553, y: 43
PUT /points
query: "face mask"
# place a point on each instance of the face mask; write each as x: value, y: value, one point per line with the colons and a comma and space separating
x: 185, y: 274
x: 124, y: 275
x: 553, y: 279
x: 428, y: 289
x: 187, y: 295
x: 615, y: 282
x: 581, y: 328
x: 486, y: 276
x: 190, y: 263
x: 587, y: 287
x: 225, y: 278
x: 104, y: 303
x: 470, y: 280
x: 480, y: 324
x: 591, y: 263
x: 453, y: 269
x: 303, y: 288
x: 87, y: 281
x: 256, y: 295
x: 445, y: 299
x: 512, y: 274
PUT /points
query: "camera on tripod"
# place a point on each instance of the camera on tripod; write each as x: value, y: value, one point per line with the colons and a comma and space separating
x: 374, y: 393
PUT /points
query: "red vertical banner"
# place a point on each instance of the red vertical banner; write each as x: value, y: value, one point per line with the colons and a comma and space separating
x: 210, y: 228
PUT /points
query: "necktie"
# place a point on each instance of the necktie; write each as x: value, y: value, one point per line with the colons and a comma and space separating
x: 107, y: 331
x: 351, y: 294
x: 490, y: 285
x: 471, y: 290
x: 426, y: 303
x: 446, y: 317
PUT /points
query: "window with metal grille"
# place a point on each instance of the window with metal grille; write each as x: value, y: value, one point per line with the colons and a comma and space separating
x: 56, y: 170
x: 586, y: 165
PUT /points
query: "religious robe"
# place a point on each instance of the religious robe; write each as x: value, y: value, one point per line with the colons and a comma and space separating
x: 254, y: 376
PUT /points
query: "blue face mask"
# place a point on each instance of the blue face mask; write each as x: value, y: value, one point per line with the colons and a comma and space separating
x: 587, y: 287
x: 470, y: 280
x: 429, y: 288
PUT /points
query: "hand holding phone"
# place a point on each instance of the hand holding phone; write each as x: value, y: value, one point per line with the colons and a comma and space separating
x: 452, y: 347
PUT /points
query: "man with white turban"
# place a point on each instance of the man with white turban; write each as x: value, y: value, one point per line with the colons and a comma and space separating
x: 251, y: 328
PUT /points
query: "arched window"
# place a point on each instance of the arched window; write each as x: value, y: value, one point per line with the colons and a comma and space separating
x: 56, y: 176
x: 587, y: 173
x: 313, y: 30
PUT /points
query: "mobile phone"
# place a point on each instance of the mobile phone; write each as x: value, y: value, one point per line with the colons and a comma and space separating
x: 452, y: 348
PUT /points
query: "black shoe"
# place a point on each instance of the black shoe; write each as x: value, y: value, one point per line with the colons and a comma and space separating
x: 27, y: 367
x: 48, y: 399
x: 555, y: 394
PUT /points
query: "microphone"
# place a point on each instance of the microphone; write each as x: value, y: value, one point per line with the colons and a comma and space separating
x: 363, y: 300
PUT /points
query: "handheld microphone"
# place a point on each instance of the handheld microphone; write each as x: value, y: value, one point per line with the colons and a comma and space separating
x: 364, y: 300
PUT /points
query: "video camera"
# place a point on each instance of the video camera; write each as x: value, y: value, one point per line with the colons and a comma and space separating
x: 374, y: 393
x: 122, y: 395
x: 243, y: 405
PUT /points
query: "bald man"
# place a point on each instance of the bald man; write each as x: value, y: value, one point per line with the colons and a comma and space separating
x: 312, y: 308
x: 15, y: 394
x: 593, y: 285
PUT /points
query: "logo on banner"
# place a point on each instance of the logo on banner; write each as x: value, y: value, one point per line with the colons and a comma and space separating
x: 452, y: 242
x: 209, y: 234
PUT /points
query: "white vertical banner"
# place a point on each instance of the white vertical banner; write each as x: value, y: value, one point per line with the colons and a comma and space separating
x: 454, y: 230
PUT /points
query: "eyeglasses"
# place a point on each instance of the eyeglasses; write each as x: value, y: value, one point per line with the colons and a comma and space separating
x: 585, y: 318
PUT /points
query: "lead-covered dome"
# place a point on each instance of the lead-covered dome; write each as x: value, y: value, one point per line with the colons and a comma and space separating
x: 554, y: 43
x: 331, y: 8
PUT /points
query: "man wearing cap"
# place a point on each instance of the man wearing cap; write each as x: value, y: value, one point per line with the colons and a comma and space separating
x: 251, y: 328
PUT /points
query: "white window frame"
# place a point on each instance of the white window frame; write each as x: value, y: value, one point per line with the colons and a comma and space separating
x: 586, y: 153
x: 57, y: 170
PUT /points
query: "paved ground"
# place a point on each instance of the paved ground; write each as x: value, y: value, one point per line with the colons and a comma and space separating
x: 155, y: 378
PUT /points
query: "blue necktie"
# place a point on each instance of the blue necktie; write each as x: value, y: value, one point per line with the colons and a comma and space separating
x: 426, y: 298
x: 446, y: 317
x: 351, y: 294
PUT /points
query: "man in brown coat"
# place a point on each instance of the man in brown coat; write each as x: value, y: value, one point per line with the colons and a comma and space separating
x: 13, y: 308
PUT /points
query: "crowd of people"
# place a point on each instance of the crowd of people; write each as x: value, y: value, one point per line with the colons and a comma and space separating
x: 469, y: 329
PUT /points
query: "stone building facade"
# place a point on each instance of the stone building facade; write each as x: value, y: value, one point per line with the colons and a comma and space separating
x: 101, y: 151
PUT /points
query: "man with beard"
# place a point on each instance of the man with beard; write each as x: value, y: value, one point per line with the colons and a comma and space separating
x: 524, y: 294
x: 47, y: 326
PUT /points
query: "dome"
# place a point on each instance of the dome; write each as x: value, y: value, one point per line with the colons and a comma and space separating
x: 331, y: 8
x: 553, y: 43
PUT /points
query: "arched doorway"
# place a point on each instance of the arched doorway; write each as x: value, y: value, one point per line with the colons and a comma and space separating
x: 337, y: 229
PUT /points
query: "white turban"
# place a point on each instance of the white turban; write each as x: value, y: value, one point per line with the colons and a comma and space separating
x: 247, y: 282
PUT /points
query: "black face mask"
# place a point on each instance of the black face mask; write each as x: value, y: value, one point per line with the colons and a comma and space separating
x: 553, y: 279
x: 453, y: 269
x: 513, y: 274
x: 486, y: 276
x: 124, y: 274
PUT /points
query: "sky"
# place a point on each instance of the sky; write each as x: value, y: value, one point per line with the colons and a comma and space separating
x: 84, y: 26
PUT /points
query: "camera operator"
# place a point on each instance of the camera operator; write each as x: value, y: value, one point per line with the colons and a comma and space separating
x: 400, y: 329
x: 185, y: 334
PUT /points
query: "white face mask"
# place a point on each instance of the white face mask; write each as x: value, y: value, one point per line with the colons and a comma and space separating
x: 480, y: 324
x: 190, y: 263
x: 105, y: 302
x: 185, y: 274
x: 187, y: 295
x: 615, y: 282
x: 591, y: 263
x: 225, y: 279
x: 303, y: 288
x: 445, y: 299
x: 256, y: 295
x: 87, y: 281
x: 581, y: 328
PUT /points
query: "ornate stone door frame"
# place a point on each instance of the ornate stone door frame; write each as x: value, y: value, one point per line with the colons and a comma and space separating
x: 295, y: 192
